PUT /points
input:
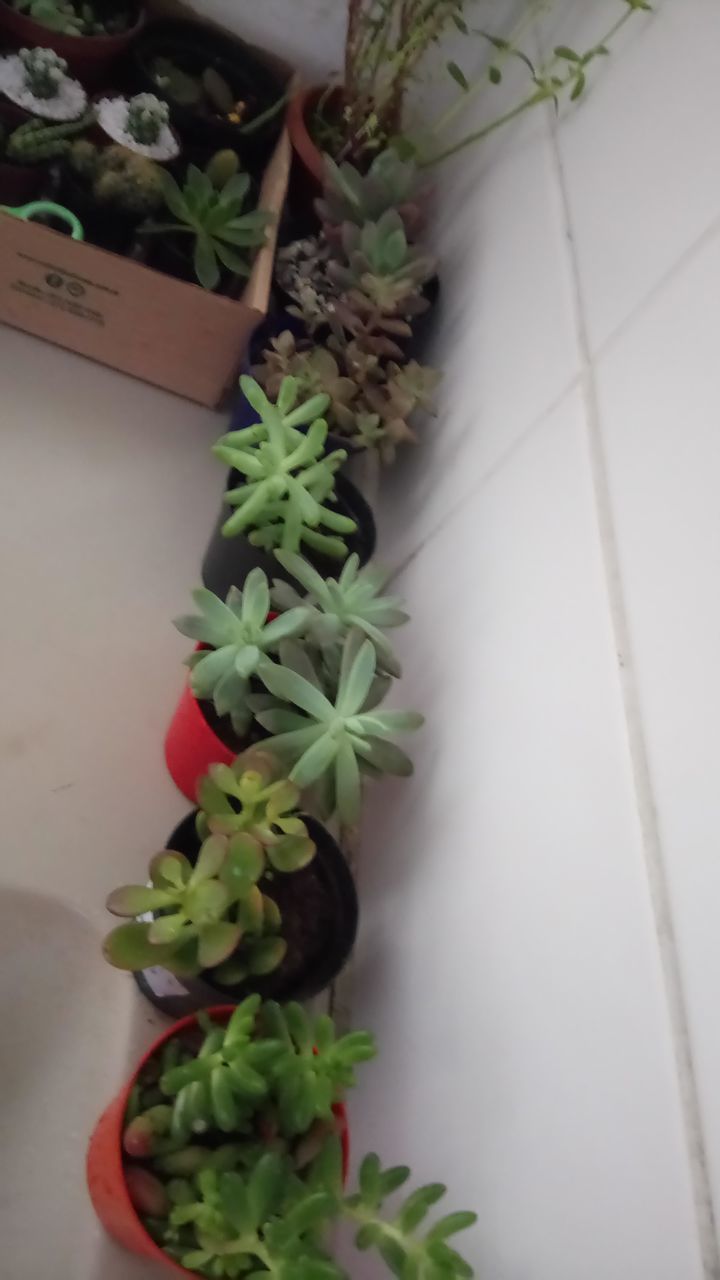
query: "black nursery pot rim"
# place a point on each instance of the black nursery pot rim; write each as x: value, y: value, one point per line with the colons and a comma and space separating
x: 330, y: 859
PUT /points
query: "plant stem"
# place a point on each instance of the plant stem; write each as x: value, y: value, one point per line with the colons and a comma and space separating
x: 541, y: 95
x: 546, y: 89
x: 483, y: 83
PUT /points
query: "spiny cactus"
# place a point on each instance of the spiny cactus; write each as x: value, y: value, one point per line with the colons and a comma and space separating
x: 146, y: 118
x: 44, y: 71
x: 36, y: 140
x: 118, y: 177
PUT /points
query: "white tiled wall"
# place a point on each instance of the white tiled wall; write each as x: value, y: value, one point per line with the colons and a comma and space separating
x: 539, y: 952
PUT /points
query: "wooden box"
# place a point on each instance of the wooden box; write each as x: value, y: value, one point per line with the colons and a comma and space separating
x: 125, y: 315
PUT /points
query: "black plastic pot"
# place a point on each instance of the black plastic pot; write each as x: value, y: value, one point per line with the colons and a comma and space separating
x: 228, y: 561
x: 192, y: 47
x: 104, y: 226
x: 320, y: 897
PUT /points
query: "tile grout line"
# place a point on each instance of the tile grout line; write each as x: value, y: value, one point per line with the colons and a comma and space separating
x: 642, y: 781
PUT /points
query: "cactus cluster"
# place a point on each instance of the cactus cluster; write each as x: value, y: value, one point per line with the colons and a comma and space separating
x: 44, y: 71
x: 118, y: 177
x: 147, y: 116
x: 36, y: 141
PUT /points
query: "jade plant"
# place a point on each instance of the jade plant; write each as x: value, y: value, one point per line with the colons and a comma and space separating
x: 213, y: 915
x: 325, y: 724
x: 334, y: 607
x: 222, y: 235
x: 233, y: 1156
x: 288, y: 479
x: 236, y: 633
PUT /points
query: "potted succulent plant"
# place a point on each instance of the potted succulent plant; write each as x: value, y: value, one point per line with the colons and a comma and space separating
x: 220, y: 92
x: 89, y: 34
x: 325, y: 724
x: 358, y: 287
x: 36, y: 81
x: 210, y: 240
x: 27, y: 152
x: 112, y: 190
x: 140, y: 123
x: 227, y: 1155
x: 248, y: 896
x: 285, y: 492
x: 214, y: 720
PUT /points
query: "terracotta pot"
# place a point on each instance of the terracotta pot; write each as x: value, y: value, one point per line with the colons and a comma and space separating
x: 88, y: 57
x: 307, y: 152
x: 105, y: 1169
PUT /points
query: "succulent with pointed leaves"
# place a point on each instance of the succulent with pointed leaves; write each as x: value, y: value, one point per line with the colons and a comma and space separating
x: 351, y: 196
x: 289, y: 485
x: 223, y: 236
x: 381, y: 264
x: 329, y: 739
x: 263, y: 1201
x: 237, y: 633
x: 338, y: 606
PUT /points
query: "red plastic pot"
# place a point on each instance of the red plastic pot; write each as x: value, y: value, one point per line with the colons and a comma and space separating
x: 105, y: 1169
x: 88, y: 57
x: 191, y: 746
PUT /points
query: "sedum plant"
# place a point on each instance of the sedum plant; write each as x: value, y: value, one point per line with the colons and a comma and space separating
x: 329, y: 737
x: 371, y: 400
x: 44, y: 71
x: 234, y: 1162
x: 213, y: 915
x: 238, y: 634
x: 285, y: 500
x: 223, y: 236
x: 337, y: 606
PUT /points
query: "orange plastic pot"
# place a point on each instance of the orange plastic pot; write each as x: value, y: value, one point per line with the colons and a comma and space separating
x: 105, y: 1168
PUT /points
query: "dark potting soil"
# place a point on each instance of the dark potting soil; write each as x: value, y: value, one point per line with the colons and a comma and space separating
x: 222, y: 727
x: 306, y: 908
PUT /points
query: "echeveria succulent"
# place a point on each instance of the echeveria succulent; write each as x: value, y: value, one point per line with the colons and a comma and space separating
x: 331, y: 743
x: 237, y: 633
x: 289, y: 485
x: 337, y: 606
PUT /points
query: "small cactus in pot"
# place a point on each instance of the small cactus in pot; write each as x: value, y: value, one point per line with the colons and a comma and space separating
x: 36, y: 80
x: 142, y: 124
x: 117, y: 178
